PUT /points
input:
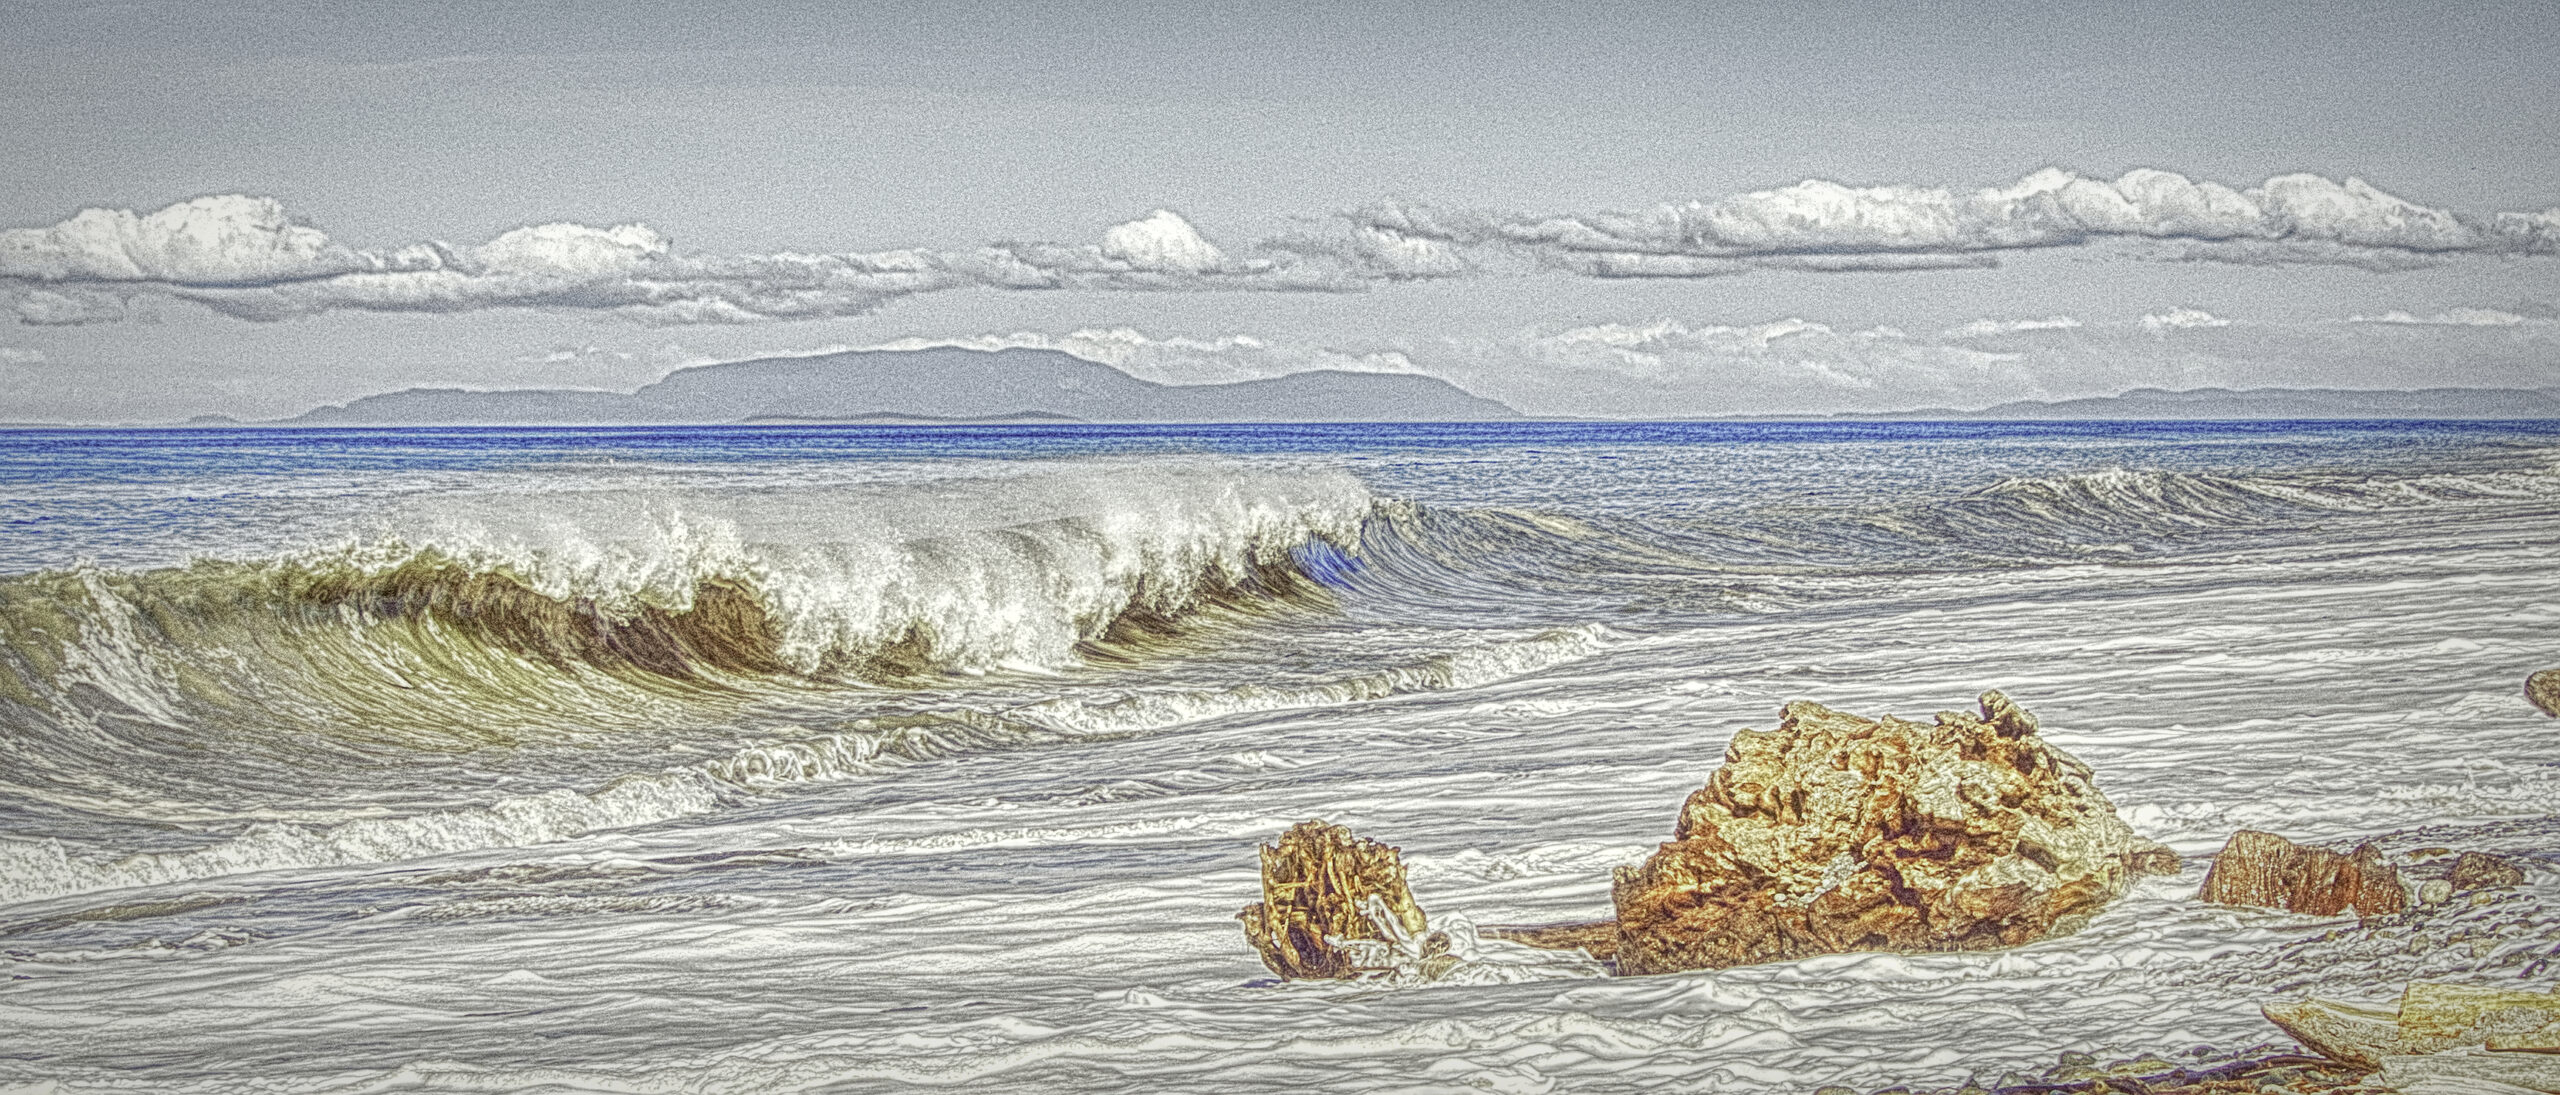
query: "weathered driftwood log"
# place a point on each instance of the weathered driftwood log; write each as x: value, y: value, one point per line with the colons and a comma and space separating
x: 2449, y: 1022
x: 2268, y: 871
x: 1837, y: 833
x: 2480, y: 870
x: 2543, y: 691
x: 1317, y: 884
x: 1597, y: 938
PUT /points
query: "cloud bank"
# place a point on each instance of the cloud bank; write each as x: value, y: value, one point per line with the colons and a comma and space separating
x: 1178, y: 360
x: 245, y: 256
x: 1672, y: 367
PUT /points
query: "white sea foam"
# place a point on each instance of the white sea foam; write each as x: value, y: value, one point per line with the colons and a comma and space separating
x: 1467, y: 667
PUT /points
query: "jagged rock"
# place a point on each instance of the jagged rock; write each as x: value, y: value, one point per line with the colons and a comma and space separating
x: 1836, y: 833
x: 2543, y: 690
x: 2154, y: 860
x: 1323, y: 886
x: 2480, y: 870
x: 2268, y: 871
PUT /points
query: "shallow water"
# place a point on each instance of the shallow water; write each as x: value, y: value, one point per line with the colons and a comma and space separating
x: 861, y: 759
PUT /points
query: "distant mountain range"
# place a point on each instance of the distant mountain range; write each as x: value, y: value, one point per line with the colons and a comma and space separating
x: 936, y: 385
x: 2159, y: 404
x: 949, y: 386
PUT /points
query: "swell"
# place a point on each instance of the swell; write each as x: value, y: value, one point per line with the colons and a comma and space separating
x: 2131, y: 511
x: 35, y: 870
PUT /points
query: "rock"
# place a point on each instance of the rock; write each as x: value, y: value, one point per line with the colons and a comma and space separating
x: 2480, y: 870
x: 2268, y: 871
x: 2154, y: 860
x: 2543, y: 690
x: 1836, y: 833
x: 1322, y: 886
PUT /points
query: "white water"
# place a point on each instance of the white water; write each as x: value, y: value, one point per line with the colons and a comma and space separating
x: 1034, y: 891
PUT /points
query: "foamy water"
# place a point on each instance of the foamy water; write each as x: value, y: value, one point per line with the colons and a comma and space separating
x: 871, y: 759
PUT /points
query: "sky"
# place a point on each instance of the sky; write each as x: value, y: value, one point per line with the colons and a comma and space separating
x: 254, y: 208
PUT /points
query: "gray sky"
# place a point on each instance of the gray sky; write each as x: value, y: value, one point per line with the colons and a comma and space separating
x: 941, y: 160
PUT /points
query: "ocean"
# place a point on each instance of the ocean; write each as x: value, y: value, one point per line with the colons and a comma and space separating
x: 873, y: 759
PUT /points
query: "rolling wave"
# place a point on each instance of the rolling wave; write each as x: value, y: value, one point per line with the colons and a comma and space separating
x: 2120, y: 510
x: 32, y: 870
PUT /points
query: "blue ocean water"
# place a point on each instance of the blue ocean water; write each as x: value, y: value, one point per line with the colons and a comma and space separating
x: 861, y: 758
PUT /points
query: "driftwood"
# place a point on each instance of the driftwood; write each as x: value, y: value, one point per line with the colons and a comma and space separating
x: 1321, y: 886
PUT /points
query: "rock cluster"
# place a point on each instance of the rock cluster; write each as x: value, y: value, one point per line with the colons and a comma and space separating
x: 2543, y: 691
x: 1324, y: 892
x: 2482, y: 871
x: 2268, y: 871
x: 1836, y: 833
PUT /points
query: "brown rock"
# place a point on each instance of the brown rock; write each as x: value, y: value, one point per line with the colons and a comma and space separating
x: 2543, y: 690
x: 2154, y: 860
x: 2480, y: 870
x: 1837, y: 833
x: 2268, y: 871
x: 1315, y: 882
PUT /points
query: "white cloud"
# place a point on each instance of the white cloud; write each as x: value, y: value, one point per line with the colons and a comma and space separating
x: 15, y: 355
x: 1993, y: 328
x: 2182, y: 319
x: 217, y: 240
x: 1164, y: 243
x: 2451, y: 317
x: 1823, y: 225
x: 1178, y: 360
x: 245, y: 256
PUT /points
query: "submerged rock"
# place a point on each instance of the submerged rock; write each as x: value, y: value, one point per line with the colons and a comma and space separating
x: 1836, y: 833
x: 2268, y: 871
x: 1323, y: 887
x: 2543, y: 691
x: 2480, y: 870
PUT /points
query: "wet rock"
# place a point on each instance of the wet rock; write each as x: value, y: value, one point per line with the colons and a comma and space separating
x: 2480, y: 871
x: 1836, y: 833
x: 1322, y: 886
x: 2268, y: 871
x: 2543, y: 690
x: 2154, y: 860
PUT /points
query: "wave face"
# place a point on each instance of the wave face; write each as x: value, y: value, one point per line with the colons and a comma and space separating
x: 542, y: 619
